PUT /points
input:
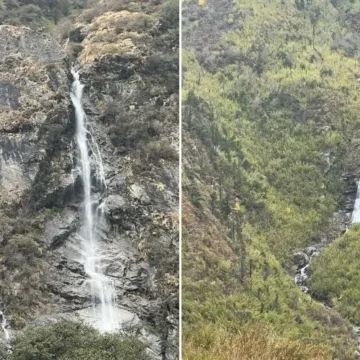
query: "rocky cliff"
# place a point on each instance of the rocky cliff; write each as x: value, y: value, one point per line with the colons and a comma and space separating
x: 131, y: 100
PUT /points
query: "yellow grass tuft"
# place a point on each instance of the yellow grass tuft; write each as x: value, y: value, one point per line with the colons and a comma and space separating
x: 116, y: 33
x: 253, y: 343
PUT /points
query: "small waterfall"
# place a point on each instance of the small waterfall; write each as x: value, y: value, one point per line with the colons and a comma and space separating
x: 4, y: 324
x: 356, y: 213
x: 302, y: 275
x: 102, y: 288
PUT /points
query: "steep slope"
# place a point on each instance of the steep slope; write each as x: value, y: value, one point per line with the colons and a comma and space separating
x: 127, y: 56
x: 270, y: 118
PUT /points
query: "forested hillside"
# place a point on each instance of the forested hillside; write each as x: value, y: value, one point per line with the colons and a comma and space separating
x: 271, y: 118
x: 36, y: 13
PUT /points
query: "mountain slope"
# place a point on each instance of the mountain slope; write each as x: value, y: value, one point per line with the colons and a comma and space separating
x: 127, y: 56
x: 270, y: 113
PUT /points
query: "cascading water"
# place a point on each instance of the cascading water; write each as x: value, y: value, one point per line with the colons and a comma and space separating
x: 356, y: 213
x: 102, y: 288
x: 4, y: 324
x: 301, y: 278
x: 354, y: 220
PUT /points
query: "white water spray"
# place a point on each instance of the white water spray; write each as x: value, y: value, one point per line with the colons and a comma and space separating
x: 356, y: 213
x: 4, y: 325
x: 102, y: 288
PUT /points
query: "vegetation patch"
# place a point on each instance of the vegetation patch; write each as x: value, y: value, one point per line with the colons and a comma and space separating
x: 335, y: 275
x: 258, y: 343
x: 71, y: 340
x: 270, y: 109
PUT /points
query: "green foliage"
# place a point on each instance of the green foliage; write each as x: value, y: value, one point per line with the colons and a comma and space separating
x: 336, y: 275
x: 22, y: 269
x: 169, y: 17
x: 214, y: 293
x: 70, y: 340
x: 170, y: 14
x: 271, y: 132
x: 34, y: 13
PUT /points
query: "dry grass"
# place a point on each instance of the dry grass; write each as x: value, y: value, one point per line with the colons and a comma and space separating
x: 205, y: 230
x: 116, y: 33
x: 255, y: 343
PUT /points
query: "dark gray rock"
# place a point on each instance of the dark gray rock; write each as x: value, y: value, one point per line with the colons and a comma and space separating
x: 116, y: 202
x: 137, y: 192
x: 9, y: 96
x: 38, y: 164
x: 300, y: 259
x: 77, y: 35
x: 59, y: 228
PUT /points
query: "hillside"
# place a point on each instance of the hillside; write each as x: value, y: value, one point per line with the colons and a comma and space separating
x: 270, y: 104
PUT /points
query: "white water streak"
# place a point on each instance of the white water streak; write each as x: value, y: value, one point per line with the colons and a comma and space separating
x: 102, y: 288
x: 4, y: 324
x: 356, y: 213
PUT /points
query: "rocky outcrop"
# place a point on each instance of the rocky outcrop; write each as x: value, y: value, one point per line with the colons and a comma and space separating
x: 22, y: 42
x: 34, y: 101
x: 132, y: 105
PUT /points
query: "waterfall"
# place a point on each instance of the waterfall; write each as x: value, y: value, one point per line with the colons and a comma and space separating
x: 302, y: 274
x: 4, y: 324
x: 102, y: 288
x: 356, y: 212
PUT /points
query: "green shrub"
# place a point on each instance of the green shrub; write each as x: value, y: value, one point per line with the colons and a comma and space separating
x: 34, y: 13
x: 336, y: 275
x: 160, y: 149
x: 90, y: 14
x: 170, y: 14
x: 67, y: 340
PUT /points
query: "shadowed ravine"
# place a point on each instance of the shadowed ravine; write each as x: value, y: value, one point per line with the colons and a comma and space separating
x: 302, y: 276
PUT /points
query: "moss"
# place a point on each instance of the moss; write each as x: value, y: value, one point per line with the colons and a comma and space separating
x: 335, y: 275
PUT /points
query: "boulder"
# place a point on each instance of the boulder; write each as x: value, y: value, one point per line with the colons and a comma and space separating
x: 138, y: 193
x: 300, y: 259
x: 60, y: 227
x: 77, y: 35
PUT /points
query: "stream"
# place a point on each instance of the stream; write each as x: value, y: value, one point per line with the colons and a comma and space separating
x: 101, y: 286
x: 305, y: 256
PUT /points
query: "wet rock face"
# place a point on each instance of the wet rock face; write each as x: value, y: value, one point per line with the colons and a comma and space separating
x: 132, y: 104
x: 141, y: 201
x: 300, y: 259
x: 25, y: 43
x: 27, y: 93
x: 133, y: 114
x: 337, y: 225
x: 9, y: 96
